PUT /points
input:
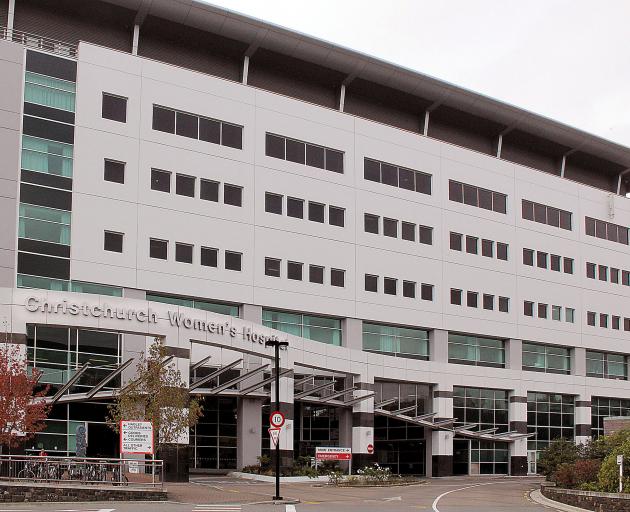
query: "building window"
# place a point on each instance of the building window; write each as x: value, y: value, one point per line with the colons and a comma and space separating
x: 183, y: 252
x: 590, y: 270
x: 233, y: 260
x: 487, y: 248
x: 396, y: 341
x: 426, y: 291
x: 488, y: 301
x: 555, y: 262
x: 337, y: 277
x: 546, y: 215
x: 603, y: 320
x: 456, y: 241
x: 614, y: 274
x: 409, y: 289
x: 215, y: 307
x: 606, y: 230
x: 549, y: 416
x: 456, y: 297
x: 294, y: 270
x: 504, y: 304
x: 471, y: 244
x: 605, y: 365
x: 590, y: 318
x: 114, y: 108
x: 318, y: 328
x: 528, y: 308
x: 209, y: 190
x: 528, y: 257
x: 163, y: 119
x: 209, y: 257
x: 336, y: 216
x: 502, y: 251
x: 114, y: 171
x: 44, y: 224
x: 569, y: 315
x: 390, y: 227
x: 316, y: 274
x: 603, y: 407
x: 273, y: 203
x: 160, y: 180
x: 49, y: 92
x: 304, y: 153
x: 185, y: 185
x: 556, y: 313
x: 390, y: 285
x: 272, y: 267
x: 474, y: 350
x: 47, y: 156
x: 568, y: 265
x: 316, y: 212
x: 472, y: 299
x: 158, y: 248
x: 425, y: 235
x: 389, y: 174
x: 541, y: 259
x: 546, y: 358
x: 475, y: 196
x: 371, y: 283
x: 113, y: 241
x: 408, y: 231
x: 370, y: 223
x: 187, y: 125
x: 232, y: 195
x: 295, y: 207
x: 616, y: 322
x: 542, y: 310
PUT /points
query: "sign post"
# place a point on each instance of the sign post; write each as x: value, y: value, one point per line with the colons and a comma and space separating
x: 333, y: 453
x: 620, y: 464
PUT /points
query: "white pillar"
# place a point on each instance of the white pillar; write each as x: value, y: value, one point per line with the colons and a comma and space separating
x: 442, y: 441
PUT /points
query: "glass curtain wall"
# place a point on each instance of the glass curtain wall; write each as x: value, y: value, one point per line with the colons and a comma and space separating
x: 213, y: 440
x: 603, y: 407
x: 317, y: 328
x: 605, y: 365
x: 546, y: 358
x: 396, y: 341
x: 215, y: 307
x: 549, y: 416
x: 475, y: 350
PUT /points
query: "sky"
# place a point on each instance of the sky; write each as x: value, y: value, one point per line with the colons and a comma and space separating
x: 565, y: 59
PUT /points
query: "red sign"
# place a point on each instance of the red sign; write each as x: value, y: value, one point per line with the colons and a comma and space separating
x: 370, y: 449
x: 274, y: 433
x: 276, y: 419
x: 333, y: 453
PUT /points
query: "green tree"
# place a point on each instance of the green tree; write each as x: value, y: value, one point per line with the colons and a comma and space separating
x: 608, y: 478
x: 559, y: 451
x: 157, y: 394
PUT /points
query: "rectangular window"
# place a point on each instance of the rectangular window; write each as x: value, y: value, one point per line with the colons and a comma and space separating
x: 390, y: 227
x: 47, y: 156
x: 295, y: 207
x: 114, y: 171
x: 158, y: 248
x: 556, y: 313
x: 160, y: 180
x: 273, y: 203
x: 488, y: 301
x: 44, y: 224
x: 113, y: 241
x: 336, y: 216
x: 614, y: 275
x: 471, y: 299
x: 50, y: 92
x: 541, y: 259
x: 185, y: 185
x: 471, y: 244
x: 569, y: 315
x: 546, y: 358
x: 396, y: 341
x: 210, y: 130
x: 555, y: 262
x: 408, y: 231
x: 315, y: 156
x: 456, y: 241
x: 232, y: 195
x: 294, y: 270
x: 304, y: 153
x: 625, y: 278
x: 616, y: 322
x: 568, y: 265
x: 605, y: 365
x: 272, y: 267
x: 603, y: 320
x: 316, y: 212
x: 504, y: 304
x: 317, y: 328
x: 209, y: 190
x: 479, y: 197
x: 231, y: 135
x: 370, y: 223
x: 233, y: 260
x: 487, y: 248
x: 371, y: 283
x: 409, y: 289
x: 163, y: 119
x: 316, y: 274
x: 114, y: 108
x: 542, y: 310
x: 603, y: 272
x: 456, y: 297
x: 425, y: 235
x: 337, y: 277
x: 426, y: 291
x: 528, y: 257
x: 209, y: 257
x: 389, y: 174
x: 606, y: 230
x: 528, y: 308
x: 502, y: 251
x: 590, y: 270
x: 296, y: 151
x: 390, y: 285
x: 275, y: 146
x: 187, y: 125
x: 473, y: 350
x: 183, y: 252
x: 590, y: 318
x: 544, y: 214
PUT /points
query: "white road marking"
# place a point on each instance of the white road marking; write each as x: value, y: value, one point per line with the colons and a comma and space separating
x: 396, y: 498
x: 435, y: 502
x: 290, y: 508
x: 216, y: 508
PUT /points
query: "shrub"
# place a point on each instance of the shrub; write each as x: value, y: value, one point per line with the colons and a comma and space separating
x: 599, y: 448
x: 375, y: 473
x: 564, y: 476
x: 608, y: 477
x: 586, y: 471
x: 334, y: 477
x: 558, y: 452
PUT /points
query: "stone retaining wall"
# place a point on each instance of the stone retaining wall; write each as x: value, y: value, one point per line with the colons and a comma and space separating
x: 20, y: 492
x: 595, y: 501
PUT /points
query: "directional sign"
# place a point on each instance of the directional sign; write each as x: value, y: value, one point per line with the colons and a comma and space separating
x: 276, y: 419
x: 136, y: 437
x: 274, y: 433
x: 332, y: 453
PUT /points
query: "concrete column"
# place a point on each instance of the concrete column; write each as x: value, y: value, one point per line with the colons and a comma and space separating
x: 442, y: 441
x: 249, y: 431
x: 517, y: 414
x: 438, y: 346
x: 251, y: 313
x: 286, y: 408
x: 10, y: 19
x: 352, y: 333
x: 514, y: 354
x: 363, y: 425
x: 578, y: 361
x: 136, y: 39
x: 345, y: 432
x: 132, y: 344
x: 582, y: 418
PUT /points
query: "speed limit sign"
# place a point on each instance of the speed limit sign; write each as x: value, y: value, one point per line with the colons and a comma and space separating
x: 276, y: 419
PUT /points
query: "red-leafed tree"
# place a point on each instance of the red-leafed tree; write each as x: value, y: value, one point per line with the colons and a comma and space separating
x: 21, y: 413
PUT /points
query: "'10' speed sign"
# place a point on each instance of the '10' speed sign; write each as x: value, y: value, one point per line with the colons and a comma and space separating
x: 276, y: 419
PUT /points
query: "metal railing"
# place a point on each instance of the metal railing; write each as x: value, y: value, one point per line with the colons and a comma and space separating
x: 82, y: 470
x: 43, y: 43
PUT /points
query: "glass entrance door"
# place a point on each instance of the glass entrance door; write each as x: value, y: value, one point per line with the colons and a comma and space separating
x: 531, y: 462
x: 461, y: 456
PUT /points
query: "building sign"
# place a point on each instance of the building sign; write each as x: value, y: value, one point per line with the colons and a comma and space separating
x: 136, y: 437
x: 333, y: 453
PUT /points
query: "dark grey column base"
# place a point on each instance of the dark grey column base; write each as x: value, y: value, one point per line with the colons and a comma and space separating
x: 176, y: 462
x: 518, y: 465
x: 442, y: 465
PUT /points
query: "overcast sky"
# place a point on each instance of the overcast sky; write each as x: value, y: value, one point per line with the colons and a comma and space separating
x: 564, y: 59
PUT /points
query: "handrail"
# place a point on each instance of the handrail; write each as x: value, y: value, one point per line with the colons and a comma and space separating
x: 44, y: 43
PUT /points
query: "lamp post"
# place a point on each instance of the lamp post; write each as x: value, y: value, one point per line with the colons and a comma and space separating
x: 276, y: 344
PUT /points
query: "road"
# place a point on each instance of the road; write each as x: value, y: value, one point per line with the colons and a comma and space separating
x: 438, y: 495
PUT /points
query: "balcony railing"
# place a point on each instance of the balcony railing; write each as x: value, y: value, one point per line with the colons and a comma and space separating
x: 42, y: 43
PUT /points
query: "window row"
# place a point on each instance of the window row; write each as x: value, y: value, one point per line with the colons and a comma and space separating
x: 317, y: 328
x: 396, y: 341
x: 604, y: 273
x: 274, y: 203
x: 476, y: 196
x: 396, y: 176
x: 546, y: 358
x: 197, y: 127
x: 605, y: 321
x: 606, y: 230
x: 546, y: 215
x: 542, y: 311
x: 389, y: 227
x: 605, y: 365
x: 114, y: 107
x: 475, y: 350
x: 391, y: 287
x: 295, y: 270
x: 304, y: 153
x: 546, y: 260
x: 186, y: 185
x: 489, y: 248
x: 487, y: 300
x: 184, y: 253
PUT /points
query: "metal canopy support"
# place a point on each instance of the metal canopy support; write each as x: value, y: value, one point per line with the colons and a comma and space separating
x: 109, y: 377
x: 385, y: 402
x: 214, y: 374
x: 487, y: 431
x: 338, y: 394
x: 304, y: 380
x: 427, y: 416
x: 468, y: 426
x: 404, y: 409
x: 262, y: 383
x: 342, y: 97
x: 440, y: 423
x: 313, y: 390
x: 245, y: 69
x: 200, y: 363
x: 241, y: 378
x: 71, y: 382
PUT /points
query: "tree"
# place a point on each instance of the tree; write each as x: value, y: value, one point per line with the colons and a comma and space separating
x: 157, y: 394
x: 559, y: 451
x: 608, y: 478
x: 22, y: 412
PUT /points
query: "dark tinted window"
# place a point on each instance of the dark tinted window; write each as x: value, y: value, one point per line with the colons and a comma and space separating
x: 471, y: 244
x: 590, y: 270
x: 406, y: 179
x: 274, y: 146
x: 113, y: 241
x: 316, y: 212
x: 541, y: 259
x: 232, y: 136
x: 528, y: 210
x: 554, y: 263
x: 45, y: 266
x: 425, y: 235
x: 209, y: 190
x: 409, y: 289
x: 114, y: 108
x: 315, y: 156
x: 233, y: 195
x: 334, y: 160
x: 187, y: 125
x: 337, y: 277
x: 528, y: 257
x: 163, y: 119
x: 160, y: 180
x: 426, y: 291
x: 273, y: 203
x: 456, y: 297
x: 528, y: 308
x: 499, y: 202
x: 471, y: 299
x: 408, y: 231
x: 389, y: 174
x: 158, y: 249
x: 295, y: 207
x: 45, y: 129
x: 296, y: 151
x: 209, y: 130
x: 371, y: 170
x: 316, y: 274
x: 390, y: 285
x: 371, y: 283
x: 233, y: 260
x: 488, y: 301
x: 183, y: 253
x: 272, y: 267
x: 185, y: 185
x: 485, y: 199
x: 487, y: 248
x: 590, y: 226
x: 614, y: 272
x: 502, y: 251
x: 294, y: 270
x: 456, y: 191
x: 114, y: 171
x: 209, y: 256
x: 44, y: 196
x: 603, y: 272
x: 336, y: 216
x: 423, y: 183
x: 470, y: 195
x: 456, y: 241
x: 542, y: 310
x: 390, y: 227
x: 370, y: 223
x: 504, y: 304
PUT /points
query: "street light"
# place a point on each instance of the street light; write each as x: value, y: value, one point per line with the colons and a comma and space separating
x: 276, y: 344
